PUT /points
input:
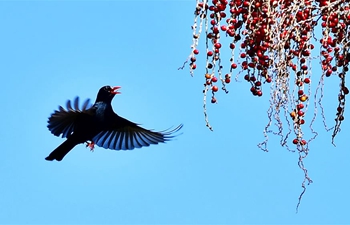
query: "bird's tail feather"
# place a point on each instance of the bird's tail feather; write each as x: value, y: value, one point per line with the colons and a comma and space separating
x: 62, y: 150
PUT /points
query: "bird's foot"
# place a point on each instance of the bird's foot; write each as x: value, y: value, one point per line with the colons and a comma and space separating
x: 91, y: 145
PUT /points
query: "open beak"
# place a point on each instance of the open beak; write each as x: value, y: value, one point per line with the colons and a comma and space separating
x: 115, y: 90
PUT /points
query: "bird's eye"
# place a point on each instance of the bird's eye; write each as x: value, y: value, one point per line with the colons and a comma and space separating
x: 108, y: 88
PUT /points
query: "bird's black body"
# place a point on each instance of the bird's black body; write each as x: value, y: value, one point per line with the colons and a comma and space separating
x: 99, y: 124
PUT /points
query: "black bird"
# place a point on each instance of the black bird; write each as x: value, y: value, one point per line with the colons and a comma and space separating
x: 101, y: 126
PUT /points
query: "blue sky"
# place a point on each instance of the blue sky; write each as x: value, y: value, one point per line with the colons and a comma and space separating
x: 53, y: 51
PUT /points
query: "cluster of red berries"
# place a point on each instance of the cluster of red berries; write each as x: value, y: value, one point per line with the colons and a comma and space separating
x: 296, y: 35
x: 298, y: 114
x: 257, y: 18
x: 335, y: 49
x: 274, y: 38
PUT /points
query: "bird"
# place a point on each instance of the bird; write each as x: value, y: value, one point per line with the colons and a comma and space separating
x: 99, y: 124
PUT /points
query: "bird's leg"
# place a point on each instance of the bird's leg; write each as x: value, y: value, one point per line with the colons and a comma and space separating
x: 91, y: 145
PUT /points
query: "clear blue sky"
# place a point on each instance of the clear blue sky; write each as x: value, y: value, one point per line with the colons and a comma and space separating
x: 54, y: 51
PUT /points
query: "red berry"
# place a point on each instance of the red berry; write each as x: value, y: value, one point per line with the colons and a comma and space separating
x: 307, y: 80
x: 295, y: 141
x: 300, y: 106
x: 196, y: 51
x: 304, y: 67
x: 221, y: 7
x: 259, y: 54
x: 217, y: 45
x: 306, y: 53
x: 214, y: 79
x: 329, y: 72
x: 259, y: 93
x: 215, y: 88
x: 300, y: 92
x: 227, y: 80
x: 210, y: 53
x: 213, y: 100
x: 303, y: 142
x: 300, y: 113
x: 233, y: 65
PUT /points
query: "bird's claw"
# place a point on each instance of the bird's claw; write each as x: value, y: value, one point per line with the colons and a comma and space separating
x: 91, y: 145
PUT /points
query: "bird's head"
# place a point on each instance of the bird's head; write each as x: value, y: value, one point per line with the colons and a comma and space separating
x: 106, y: 93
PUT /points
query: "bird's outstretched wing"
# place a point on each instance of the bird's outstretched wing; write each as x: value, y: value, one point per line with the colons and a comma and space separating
x: 63, y: 121
x: 123, y: 134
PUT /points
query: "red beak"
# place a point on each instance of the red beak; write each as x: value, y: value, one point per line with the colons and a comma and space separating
x: 114, y: 90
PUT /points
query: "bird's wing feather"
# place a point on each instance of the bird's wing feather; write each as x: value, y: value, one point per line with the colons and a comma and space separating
x: 123, y: 134
x: 62, y: 121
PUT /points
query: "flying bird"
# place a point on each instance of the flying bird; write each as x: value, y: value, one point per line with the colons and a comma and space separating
x: 99, y: 124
